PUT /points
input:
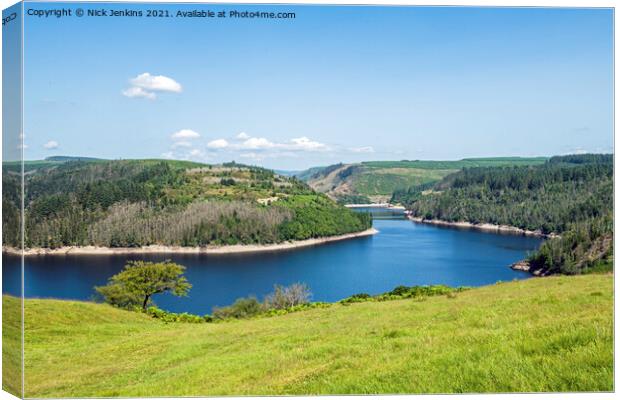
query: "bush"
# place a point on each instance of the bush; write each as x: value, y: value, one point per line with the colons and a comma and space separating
x: 356, y: 298
x: 399, y: 290
x: 166, y: 316
x: 241, y: 308
x: 405, y: 292
x: 308, y: 306
x: 285, y: 297
x: 293, y: 298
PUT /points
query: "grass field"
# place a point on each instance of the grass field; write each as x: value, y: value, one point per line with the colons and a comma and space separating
x: 385, y: 181
x: 545, y: 334
x: 384, y: 177
x: 379, y: 179
x: 11, y: 345
x: 457, y: 164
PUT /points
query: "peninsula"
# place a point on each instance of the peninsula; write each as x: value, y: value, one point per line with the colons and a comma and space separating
x: 159, y: 249
x: 91, y: 206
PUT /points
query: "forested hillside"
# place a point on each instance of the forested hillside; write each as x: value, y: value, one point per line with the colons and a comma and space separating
x: 375, y: 181
x: 133, y: 203
x: 568, y: 195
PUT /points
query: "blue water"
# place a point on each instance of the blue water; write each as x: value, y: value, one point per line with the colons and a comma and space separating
x: 402, y: 253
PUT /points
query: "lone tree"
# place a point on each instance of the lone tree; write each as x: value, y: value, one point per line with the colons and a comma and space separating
x: 140, y: 280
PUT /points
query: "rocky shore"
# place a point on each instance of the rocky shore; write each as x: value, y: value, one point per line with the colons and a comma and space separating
x: 158, y: 249
x: 525, y: 266
x: 483, y: 227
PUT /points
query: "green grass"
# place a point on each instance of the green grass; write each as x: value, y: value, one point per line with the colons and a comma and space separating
x: 385, y: 181
x: 33, y: 165
x: 11, y: 345
x: 456, y: 165
x: 548, y: 334
x: 382, y: 178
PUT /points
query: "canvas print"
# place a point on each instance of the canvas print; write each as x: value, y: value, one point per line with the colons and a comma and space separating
x: 298, y: 199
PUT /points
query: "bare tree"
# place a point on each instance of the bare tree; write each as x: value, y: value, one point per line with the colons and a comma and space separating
x: 288, y: 296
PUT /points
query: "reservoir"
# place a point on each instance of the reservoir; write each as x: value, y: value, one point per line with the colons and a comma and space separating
x: 402, y: 253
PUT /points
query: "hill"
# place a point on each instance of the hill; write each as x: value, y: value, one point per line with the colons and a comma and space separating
x: 569, y: 195
x: 552, y: 334
x: 133, y: 203
x: 33, y: 165
x: 375, y: 181
x: 72, y: 158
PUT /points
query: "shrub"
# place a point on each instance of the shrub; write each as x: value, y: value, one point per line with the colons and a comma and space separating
x: 293, y: 298
x: 275, y: 312
x: 166, y: 316
x: 241, y: 308
x: 356, y: 298
x: 399, y: 290
x: 405, y: 292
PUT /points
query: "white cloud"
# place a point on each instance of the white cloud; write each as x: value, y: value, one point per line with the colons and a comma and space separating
x: 182, y: 143
x: 52, y: 144
x: 185, y: 134
x: 183, y: 146
x: 138, y: 92
x: 363, y: 149
x: 260, y: 143
x: 156, y: 83
x: 185, y: 154
x: 218, y: 144
x: 305, y: 144
x: 257, y: 144
x: 260, y: 148
x: 145, y: 85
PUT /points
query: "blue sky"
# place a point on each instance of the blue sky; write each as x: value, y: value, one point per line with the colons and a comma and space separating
x: 334, y: 84
x: 11, y: 89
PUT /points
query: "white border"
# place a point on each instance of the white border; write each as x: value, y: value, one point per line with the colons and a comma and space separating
x: 483, y: 3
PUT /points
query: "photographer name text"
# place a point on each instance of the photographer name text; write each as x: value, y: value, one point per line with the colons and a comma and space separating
x: 155, y: 13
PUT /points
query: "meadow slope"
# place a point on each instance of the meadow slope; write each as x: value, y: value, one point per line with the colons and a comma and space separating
x: 545, y: 334
x: 376, y: 181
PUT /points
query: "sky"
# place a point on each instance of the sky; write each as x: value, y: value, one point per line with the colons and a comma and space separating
x: 11, y: 88
x: 334, y: 84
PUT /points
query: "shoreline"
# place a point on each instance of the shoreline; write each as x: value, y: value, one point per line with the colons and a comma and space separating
x: 485, y: 227
x: 525, y: 266
x: 375, y: 205
x: 159, y: 249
